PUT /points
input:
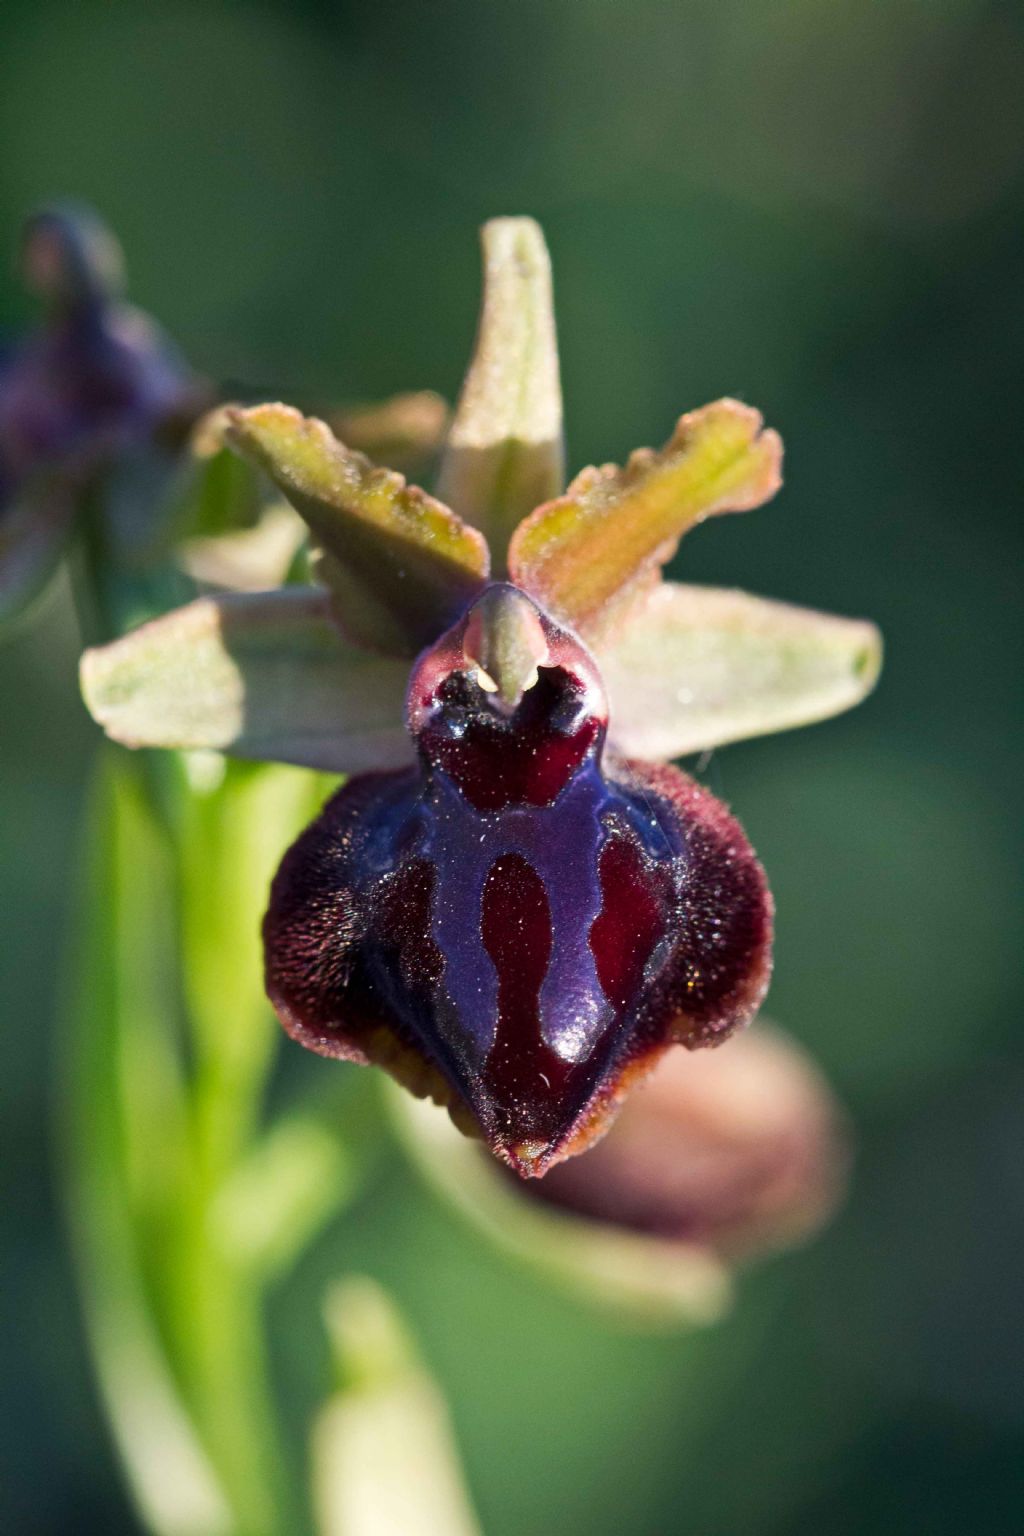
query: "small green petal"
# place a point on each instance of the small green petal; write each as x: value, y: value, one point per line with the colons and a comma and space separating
x: 505, y: 452
x: 33, y: 533
x: 614, y: 528
x: 696, y: 667
x: 384, y: 1457
x: 256, y: 675
x: 399, y: 565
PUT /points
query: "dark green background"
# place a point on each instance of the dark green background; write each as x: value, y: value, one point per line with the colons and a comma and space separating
x: 817, y: 207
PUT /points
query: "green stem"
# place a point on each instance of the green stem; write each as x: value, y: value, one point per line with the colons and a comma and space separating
x: 227, y: 838
x: 175, y: 1317
x: 173, y: 1042
x: 121, y: 1179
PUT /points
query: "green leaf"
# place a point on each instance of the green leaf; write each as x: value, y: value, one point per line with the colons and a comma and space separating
x: 34, y: 529
x: 384, y: 1458
x: 642, y: 1279
x: 228, y: 829
x: 400, y: 566
x: 696, y: 667
x: 605, y: 539
x: 505, y: 452
x: 231, y: 825
x: 256, y: 675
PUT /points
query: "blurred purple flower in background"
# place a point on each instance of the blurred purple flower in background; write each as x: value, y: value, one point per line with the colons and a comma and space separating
x: 94, y: 397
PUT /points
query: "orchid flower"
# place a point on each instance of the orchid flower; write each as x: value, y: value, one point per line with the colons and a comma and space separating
x: 95, y: 396
x: 516, y: 905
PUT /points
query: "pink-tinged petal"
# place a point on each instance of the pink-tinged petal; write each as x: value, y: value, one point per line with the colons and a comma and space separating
x: 261, y: 675
x: 595, y: 549
x: 695, y: 667
x: 515, y: 927
x: 400, y: 566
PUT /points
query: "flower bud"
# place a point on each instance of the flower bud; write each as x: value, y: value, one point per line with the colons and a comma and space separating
x: 717, y: 1157
x: 735, y: 1151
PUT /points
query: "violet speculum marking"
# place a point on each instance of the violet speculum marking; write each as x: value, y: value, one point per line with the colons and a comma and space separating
x: 517, y: 909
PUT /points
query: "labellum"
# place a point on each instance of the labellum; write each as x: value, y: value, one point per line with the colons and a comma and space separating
x: 522, y: 918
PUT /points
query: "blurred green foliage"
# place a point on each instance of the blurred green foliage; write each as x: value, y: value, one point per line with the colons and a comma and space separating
x: 817, y: 207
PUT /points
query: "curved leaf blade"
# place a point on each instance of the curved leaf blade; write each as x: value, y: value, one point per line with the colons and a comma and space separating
x: 615, y: 527
x: 400, y: 565
x: 256, y: 675
x: 696, y: 667
x: 125, y: 1153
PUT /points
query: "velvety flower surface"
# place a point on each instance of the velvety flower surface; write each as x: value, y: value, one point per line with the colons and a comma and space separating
x: 526, y: 916
x: 523, y: 912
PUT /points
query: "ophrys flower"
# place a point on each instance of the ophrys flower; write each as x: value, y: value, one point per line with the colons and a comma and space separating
x: 527, y: 906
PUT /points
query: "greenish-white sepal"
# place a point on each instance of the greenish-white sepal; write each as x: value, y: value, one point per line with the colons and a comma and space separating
x: 275, y: 1201
x: 249, y: 559
x: 693, y: 667
x: 404, y: 432
x: 265, y: 676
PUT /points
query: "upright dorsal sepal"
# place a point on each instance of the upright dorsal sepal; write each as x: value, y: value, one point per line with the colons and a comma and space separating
x: 505, y: 453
